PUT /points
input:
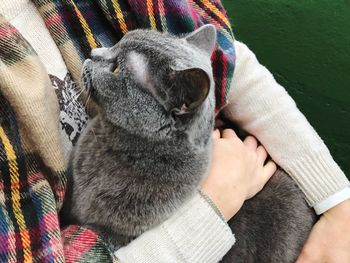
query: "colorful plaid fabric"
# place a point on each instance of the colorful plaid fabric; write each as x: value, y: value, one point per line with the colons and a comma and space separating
x: 78, y: 26
x: 32, y: 170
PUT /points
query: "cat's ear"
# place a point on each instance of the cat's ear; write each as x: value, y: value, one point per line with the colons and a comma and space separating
x: 190, y: 87
x: 203, y: 38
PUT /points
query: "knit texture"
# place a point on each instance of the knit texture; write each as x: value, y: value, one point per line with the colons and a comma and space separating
x: 32, y: 167
x: 264, y: 109
x: 200, y: 240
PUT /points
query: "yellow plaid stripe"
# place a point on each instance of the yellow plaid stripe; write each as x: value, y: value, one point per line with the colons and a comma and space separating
x: 15, y: 193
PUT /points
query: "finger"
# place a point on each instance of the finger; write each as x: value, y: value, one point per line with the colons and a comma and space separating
x: 311, y: 254
x: 251, y: 142
x: 229, y: 134
x: 216, y: 134
x: 303, y: 260
x: 269, y: 169
x: 306, y: 258
x: 262, y: 153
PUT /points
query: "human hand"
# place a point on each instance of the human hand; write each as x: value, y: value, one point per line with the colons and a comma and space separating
x: 329, y: 240
x: 237, y: 171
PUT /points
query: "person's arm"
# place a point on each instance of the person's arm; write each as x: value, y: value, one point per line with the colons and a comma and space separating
x: 264, y: 109
x: 197, y: 232
x: 329, y: 240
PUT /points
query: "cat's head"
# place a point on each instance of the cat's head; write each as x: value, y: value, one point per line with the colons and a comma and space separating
x: 151, y: 83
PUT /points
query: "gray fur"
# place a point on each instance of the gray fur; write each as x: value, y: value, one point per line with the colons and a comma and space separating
x: 149, y: 147
x: 272, y: 226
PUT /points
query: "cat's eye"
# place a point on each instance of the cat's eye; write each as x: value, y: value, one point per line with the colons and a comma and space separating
x: 117, y: 70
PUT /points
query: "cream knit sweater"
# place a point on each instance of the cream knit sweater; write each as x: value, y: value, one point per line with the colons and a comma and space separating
x: 195, y: 233
x: 263, y: 108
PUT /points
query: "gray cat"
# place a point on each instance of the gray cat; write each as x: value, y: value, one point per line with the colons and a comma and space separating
x: 149, y: 147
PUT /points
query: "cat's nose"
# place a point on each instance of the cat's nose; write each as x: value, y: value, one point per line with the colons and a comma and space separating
x: 99, y: 53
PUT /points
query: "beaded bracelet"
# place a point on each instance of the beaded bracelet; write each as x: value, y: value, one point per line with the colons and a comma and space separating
x: 212, y: 204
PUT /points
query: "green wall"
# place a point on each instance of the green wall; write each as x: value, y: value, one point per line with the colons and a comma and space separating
x: 306, y: 45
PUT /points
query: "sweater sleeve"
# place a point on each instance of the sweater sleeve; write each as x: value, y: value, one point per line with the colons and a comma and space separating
x: 195, y: 233
x: 264, y: 109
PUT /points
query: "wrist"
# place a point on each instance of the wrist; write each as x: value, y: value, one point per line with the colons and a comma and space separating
x: 223, y: 206
x: 212, y: 205
x: 340, y: 211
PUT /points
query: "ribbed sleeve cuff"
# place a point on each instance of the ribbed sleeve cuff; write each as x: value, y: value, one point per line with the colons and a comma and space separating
x: 332, y: 201
x: 318, y: 176
x: 194, y: 234
x: 199, y: 227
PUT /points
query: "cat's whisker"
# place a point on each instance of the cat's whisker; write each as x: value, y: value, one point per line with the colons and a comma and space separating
x: 85, y: 104
x: 74, y: 99
x: 87, y: 99
x: 79, y: 93
x: 95, y: 136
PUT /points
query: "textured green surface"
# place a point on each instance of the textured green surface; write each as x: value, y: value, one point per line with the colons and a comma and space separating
x: 306, y: 45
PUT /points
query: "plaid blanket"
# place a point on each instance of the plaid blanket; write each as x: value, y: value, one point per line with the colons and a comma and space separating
x: 32, y: 169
